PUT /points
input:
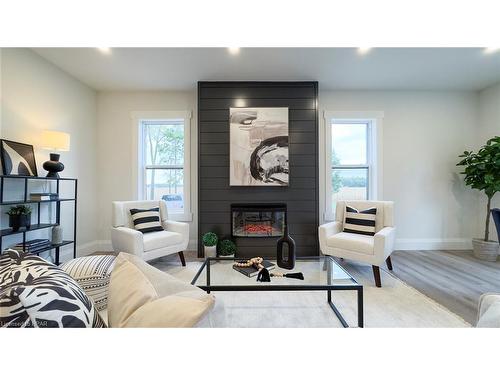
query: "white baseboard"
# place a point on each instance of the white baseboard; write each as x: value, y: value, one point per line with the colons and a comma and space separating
x: 433, y: 244
x: 193, y: 245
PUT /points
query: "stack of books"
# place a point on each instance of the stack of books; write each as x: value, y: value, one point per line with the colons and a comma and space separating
x: 43, y: 196
x: 252, y: 271
x: 32, y: 245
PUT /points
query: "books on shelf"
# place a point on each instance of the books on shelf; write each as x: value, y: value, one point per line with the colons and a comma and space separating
x: 32, y: 244
x: 252, y: 271
x: 44, y: 196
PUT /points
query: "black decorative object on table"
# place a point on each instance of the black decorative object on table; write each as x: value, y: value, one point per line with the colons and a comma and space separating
x: 285, y: 243
x: 17, y: 158
x: 495, y: 212
x: 53, y: 166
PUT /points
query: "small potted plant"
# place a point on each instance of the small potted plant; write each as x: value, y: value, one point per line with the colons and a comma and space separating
x: 209, y: 240
x: 227, y: 249
x: 482, y: 172
x: 19, y: 216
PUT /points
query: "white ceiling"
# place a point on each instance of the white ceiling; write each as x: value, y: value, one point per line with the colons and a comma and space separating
x: 334, y: 68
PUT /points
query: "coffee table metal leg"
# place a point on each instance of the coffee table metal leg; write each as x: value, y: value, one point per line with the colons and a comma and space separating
x: 336, y: 311
x: 361, y: 322
x: 208, y: 277
x: 339, y: 315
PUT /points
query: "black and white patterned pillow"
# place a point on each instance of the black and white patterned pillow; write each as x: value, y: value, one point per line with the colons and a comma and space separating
x: 36, y: 293
x: 92, y: 273
x: 146, y: 221
x: 360, y: 222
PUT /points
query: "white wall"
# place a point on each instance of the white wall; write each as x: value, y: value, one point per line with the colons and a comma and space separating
x: 115, y: 148
x: 36, y: 95
x: 423, y: 133
x: 489, y: 126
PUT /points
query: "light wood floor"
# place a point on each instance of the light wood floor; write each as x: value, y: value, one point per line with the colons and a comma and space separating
x: 455, y: 279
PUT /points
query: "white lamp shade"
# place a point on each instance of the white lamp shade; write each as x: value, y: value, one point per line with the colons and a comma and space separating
x: 52, y: 140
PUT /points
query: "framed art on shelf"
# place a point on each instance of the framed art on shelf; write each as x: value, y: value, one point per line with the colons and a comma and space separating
x: 17, y: 158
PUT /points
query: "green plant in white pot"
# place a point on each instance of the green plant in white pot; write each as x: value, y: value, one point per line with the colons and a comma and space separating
x: 482, y: 172
x: 210, y: 240
x: 227, y: 249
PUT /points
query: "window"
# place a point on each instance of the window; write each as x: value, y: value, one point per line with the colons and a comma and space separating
x: 351, y: 159
x: 164, y: 161
x: 350, y: 165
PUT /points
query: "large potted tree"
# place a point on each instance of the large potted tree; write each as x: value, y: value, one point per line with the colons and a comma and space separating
x: 482, y: 172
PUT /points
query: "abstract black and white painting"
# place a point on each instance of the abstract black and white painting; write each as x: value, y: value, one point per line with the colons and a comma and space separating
x: 17, y: 158
x: 258, y: 147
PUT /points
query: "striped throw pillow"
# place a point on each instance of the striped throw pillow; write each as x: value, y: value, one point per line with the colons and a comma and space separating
x: 360, y: 222
x: 146, y: 221
x: 92, y: 273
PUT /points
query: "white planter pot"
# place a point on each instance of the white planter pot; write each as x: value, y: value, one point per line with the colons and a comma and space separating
x: 210, y: 251
x: 485, y: 250
x: 226, y: 256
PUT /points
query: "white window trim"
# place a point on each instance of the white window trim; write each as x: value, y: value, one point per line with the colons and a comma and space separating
x: 374, y: 155
x: 138, y: 163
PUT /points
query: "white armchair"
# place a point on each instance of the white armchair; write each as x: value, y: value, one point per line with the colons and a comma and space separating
x: 373, y: 250
x: 174, y: 239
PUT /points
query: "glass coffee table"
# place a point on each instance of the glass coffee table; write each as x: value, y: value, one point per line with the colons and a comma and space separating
x: 320, y: 273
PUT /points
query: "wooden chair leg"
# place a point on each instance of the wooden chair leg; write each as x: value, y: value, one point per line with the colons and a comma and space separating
x: 183, y: 261
x: 388, y: 261
x: 376, y: 275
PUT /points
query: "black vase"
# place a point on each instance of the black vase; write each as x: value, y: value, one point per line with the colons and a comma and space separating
x: 53, y: 166
x: 285, y: 250
x: 495, y: 212
x: 18, y: 221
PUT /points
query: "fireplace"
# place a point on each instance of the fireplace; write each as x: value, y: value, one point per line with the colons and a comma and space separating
x: 258, y: 220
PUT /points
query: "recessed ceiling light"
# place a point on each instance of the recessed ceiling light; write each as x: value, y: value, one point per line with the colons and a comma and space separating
x: 490, y: 50
x: 104, y: 50
x: 364, y: 50
x: 234, y: 50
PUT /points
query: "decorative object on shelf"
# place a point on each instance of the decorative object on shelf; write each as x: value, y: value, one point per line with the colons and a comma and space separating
x: 227, y: 249
x: 482, y: 172
x: 32, y: 245
x: 258, y: 146
x: 262, y: 268
x: 54, y: 141
x: 41, y: 197
x: 57, y: 235
x: 285, y: 248
x: 210, y: 240
x: 19, y: 216
x: 17, y: 158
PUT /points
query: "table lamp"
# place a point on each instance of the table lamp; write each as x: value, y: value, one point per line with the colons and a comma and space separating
x: 54, y: 141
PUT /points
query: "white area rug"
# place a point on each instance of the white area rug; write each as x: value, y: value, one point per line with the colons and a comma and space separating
x: 394, y: 305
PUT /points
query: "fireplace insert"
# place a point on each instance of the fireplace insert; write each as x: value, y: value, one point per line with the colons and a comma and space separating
x: 258, y: 220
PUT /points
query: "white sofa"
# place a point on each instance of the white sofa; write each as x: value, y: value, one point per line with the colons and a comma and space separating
x: 488, y: 315
x: 148, y: 246
x: 374, y: 250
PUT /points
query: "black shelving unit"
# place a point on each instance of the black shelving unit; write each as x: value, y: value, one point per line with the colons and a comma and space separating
x: 39, y: 225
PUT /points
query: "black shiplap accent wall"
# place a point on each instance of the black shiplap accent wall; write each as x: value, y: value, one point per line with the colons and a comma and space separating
x: 301, y: 196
